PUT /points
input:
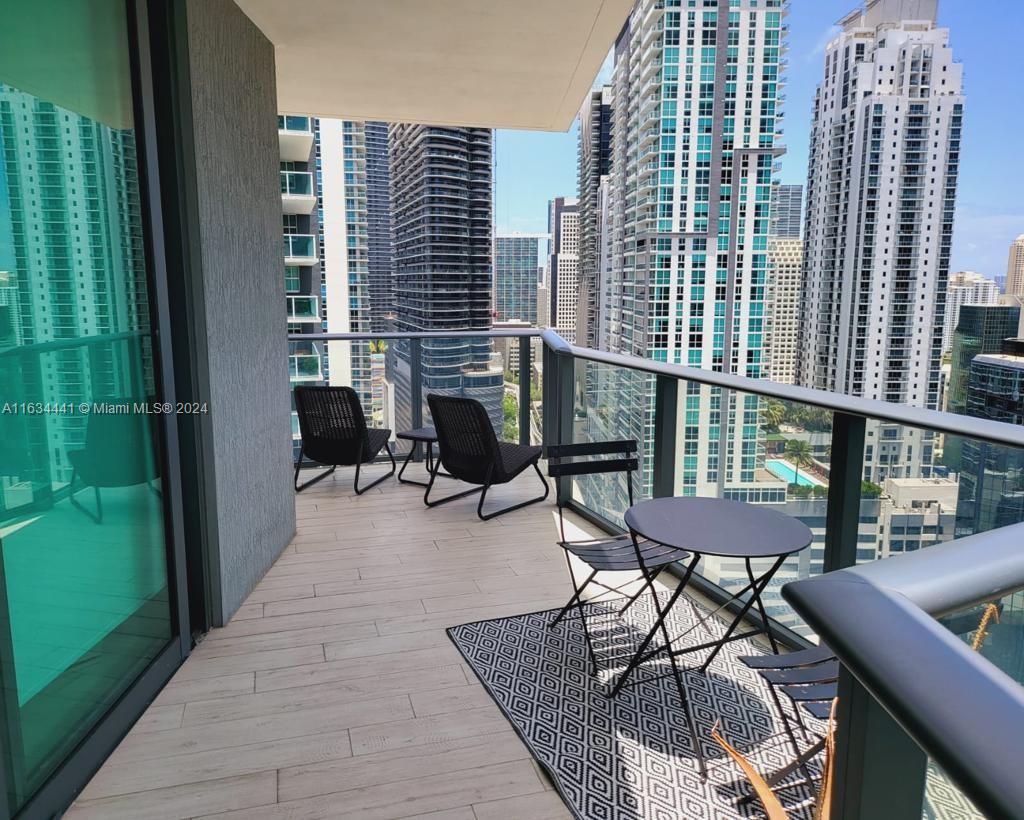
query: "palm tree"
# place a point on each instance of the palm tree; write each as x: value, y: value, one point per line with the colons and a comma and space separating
x: 799, y: 453
x: 774, y: 413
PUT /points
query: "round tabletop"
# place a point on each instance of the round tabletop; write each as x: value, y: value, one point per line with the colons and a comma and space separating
x: 419, y: 434
x: 717, y: 526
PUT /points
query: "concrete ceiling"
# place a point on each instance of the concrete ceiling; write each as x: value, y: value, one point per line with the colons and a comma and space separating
x: 486, y: 63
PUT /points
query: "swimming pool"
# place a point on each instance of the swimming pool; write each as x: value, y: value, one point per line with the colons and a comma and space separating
x: 780, y: 468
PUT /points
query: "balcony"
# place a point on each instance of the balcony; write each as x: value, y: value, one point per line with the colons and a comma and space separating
x: 304, y: 367
x: 336, y: 686
x: 297, y: 194
x: 295, y: 137
x: 304, y: 309
x: 300, y: 249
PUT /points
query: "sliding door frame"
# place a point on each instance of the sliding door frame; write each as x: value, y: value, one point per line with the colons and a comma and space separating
x: 156, y: 189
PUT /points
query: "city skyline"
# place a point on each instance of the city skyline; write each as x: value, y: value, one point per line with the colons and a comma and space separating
x: 533, y: 167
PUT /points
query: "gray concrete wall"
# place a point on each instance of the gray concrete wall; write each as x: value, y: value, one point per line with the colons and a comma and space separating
x: 234, y: 112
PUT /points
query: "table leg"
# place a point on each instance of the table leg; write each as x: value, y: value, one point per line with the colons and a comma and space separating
x: 640, y: 655
x: 755, y: 595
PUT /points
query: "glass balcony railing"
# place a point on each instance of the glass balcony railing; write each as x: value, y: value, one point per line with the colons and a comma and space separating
x: 292, y: 122
x: 299, y: 249
x: 304, y: 367
x: 303, y: 309
x: 296, y: 183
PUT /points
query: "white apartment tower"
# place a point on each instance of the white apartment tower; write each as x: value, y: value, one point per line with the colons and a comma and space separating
x: 697, y: 105
x: 1015, y: 268
x: 965, y: 288
x: 881, y: 185
x: 787, y: 254
x: 564, y: 231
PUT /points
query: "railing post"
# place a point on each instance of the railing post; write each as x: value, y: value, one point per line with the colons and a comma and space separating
x: 879, y: 770
x: 416, y: 390
x: 549, y: 397
x: 846, y: 471
x: 524, y: 388
x: 666, y: 407
x: 565, y: 382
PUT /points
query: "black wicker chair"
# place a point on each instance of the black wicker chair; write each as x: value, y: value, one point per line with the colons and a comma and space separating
x: 119, y: 451
x: 470, y: 451
x: 334, y: 432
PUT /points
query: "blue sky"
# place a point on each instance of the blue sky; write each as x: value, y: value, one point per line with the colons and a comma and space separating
x: 532, y: 167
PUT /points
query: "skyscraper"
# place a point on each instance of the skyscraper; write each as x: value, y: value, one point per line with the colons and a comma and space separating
x: 881, y: 186
x: 787, y: 210
x: 343, y: 194
x: 1015, y: 268
x: 992, y: 476
x: 786, y: 255
x: 380, y: 279
x: 693, y: 142
x: 441, y: 224
x: 965, y: 288
x: 594, y: 166
x: 980, y: 330
x: 73, y: 267
x: 515, y: 278
x: 564, y: 261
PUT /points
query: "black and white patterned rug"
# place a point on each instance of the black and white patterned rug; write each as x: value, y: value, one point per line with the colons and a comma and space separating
x: 631, y: 756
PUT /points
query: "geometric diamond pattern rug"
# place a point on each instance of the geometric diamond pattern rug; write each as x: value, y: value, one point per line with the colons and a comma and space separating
x: 631, y: 757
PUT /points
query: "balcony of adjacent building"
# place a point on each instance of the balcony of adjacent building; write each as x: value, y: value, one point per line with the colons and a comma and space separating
x: 298, y: 195
x: 300, y: 250
x: 294, y: 137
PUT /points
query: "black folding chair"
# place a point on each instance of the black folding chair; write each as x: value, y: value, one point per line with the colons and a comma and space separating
x: 334, y: 432
x: 614, y: 553
x: 808, y: 679
x: 469, y: 450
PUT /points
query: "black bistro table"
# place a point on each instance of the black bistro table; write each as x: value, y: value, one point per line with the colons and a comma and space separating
x: 421, y: 435
x: 721, y: 528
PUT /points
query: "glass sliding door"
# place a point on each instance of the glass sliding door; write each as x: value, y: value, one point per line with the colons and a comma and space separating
x: 84, y: 604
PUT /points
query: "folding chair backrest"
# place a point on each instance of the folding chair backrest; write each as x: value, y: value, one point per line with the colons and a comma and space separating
x: 332, y: 424
x: 466, y: 440
x: 561, y: 464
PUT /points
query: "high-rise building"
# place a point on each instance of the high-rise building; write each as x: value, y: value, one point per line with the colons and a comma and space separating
x: 786, y: 256
x: 992, y: 476
x: 965, y: 288
x: 73, y: 268
x: 380, y: 265
x: 697, y: 104
x: 515, y: 278
x: 787, y: 210
x: 441, y: 224
x: 1015, y: 268
x: 564, y: 264
x: 594, y: 166
x: 881, y: 186
x: 982, y: 329
x: 343, y: 194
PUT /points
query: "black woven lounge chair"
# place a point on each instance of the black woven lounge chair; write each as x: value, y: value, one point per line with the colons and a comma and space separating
x: 614, y: 553
x: 334, y: 432
x: 470, y: 451
x: 132, y: 437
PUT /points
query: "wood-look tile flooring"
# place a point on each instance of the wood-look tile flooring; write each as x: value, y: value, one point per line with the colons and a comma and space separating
x: 335, y: 692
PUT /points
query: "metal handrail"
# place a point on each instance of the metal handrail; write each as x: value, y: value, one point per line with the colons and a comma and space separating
x: 950, y: 423
x: 956, y: 705
x: 513, y: 333
x: 966, y: 426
